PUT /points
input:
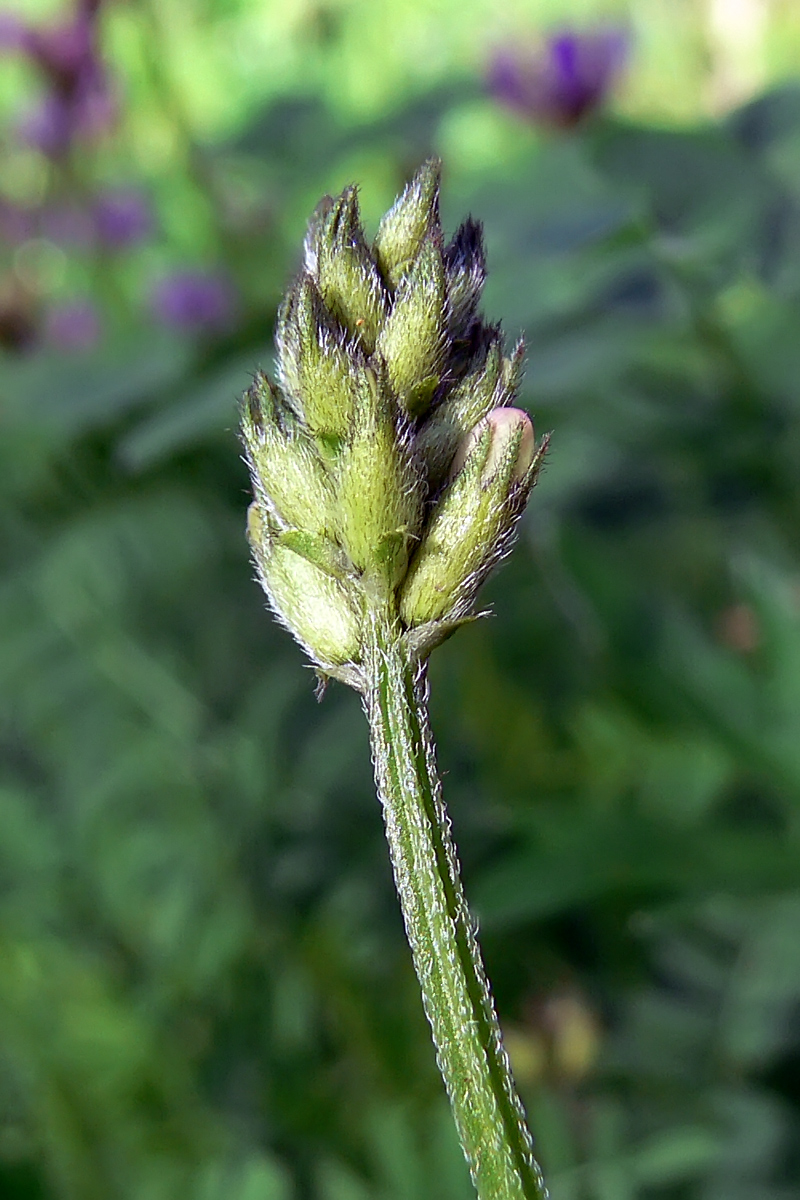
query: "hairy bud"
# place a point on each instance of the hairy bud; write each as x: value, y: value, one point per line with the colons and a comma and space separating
x: 379, y: 492
x: 318, y: 369
x: 412, y: 340
x: 468, y: 401
x: 346, y: 274
x: 290, y: 476
x: 314, y: 605
x: 465, y: 268
x: 413, y: 216
x: 472, y: 519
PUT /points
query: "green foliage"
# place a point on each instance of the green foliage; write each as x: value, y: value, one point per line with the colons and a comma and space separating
x: 204, y: 986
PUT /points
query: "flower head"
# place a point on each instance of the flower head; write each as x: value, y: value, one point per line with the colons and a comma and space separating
x: 389, y: 466
x: 558, y: 84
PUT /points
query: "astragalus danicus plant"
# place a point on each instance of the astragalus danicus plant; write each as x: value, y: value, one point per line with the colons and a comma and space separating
x: 389, y: 470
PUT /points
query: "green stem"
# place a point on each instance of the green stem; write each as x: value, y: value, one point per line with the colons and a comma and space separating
x: 455, y: 991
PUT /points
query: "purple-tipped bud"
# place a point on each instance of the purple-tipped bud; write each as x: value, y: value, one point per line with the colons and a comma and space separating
x: 570, y: 76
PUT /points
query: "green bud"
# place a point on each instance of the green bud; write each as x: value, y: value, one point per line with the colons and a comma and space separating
x: 315, y: 607
x: 379, y: 506
x: 491, y: 382
x: 338, y: 258
x: 404, y: 227
x: 289, y: 478
x: 412, y: 340
x: 317, y: 369
x: 473, y: 518
x: 467, y: 403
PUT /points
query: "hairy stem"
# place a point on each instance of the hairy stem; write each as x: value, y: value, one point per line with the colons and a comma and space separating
x: 455, y: 991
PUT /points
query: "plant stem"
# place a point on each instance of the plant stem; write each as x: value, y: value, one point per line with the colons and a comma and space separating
x: 455, y: 991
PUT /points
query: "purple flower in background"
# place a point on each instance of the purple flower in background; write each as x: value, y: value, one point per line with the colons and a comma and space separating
x: 67, y: 225
x: 73, y: 326
x: 194, y: 300
x: 14, y: 34
x: 559, y: 84
x: 122, y: 218
x: 17, y: 224
x: 79, y: 100
x: 47, y: 127
x: 63, y: 51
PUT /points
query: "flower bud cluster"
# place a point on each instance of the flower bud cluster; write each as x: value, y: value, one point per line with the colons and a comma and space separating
x: 389, y: 467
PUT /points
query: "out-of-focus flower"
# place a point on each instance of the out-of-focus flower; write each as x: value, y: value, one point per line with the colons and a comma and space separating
x: 79, y: 101
x: 63, y: 51
x: 68, y: 225
x: 17, y: 224
x: 74, y: 325
x: 63, y: 116
x: 194, y: 300
x: 122, y: 218
x: 47, y: 126
x: 14, y: 34
x: 562, y: 81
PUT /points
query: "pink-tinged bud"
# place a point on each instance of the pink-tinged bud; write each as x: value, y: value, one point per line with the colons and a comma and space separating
x: 512, y: 434
x: 511, y: 428
x: 473, y: 519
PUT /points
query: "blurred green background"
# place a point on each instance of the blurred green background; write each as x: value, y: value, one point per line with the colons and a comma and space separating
x: 204, y: 987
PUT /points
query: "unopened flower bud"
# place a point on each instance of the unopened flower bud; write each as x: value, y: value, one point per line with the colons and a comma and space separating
x: 473, y: 520
x: 317, y: 369
x: 379, y: 503
x: 467, y: 403
x: 404, y: 227
x: 288, y: 475
x: 316, y: 608
x: 511, y: 448
x: 412, y: 341
x: 338, y: 257
x: 465, y: 268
